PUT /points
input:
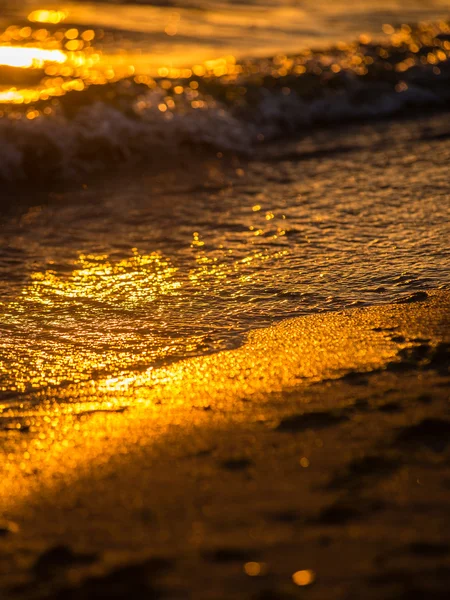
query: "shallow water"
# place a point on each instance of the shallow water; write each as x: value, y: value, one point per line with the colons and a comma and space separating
x: 135, y: 271
x: 206, y: 232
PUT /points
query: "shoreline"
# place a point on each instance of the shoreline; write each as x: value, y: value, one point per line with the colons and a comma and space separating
x: 320, y: 445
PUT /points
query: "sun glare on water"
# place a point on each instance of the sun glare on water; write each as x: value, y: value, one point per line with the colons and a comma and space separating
x: 47, y: 16
x: 65, y: 58
x: 47, y: 59
x: 29, y: 58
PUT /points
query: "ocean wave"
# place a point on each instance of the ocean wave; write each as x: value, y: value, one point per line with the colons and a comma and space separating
x: 225, y: 109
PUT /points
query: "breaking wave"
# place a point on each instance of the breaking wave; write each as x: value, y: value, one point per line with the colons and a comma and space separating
x: 230, y: 109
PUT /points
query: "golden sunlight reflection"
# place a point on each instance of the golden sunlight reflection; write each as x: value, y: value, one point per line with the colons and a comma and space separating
x: 125, y: 282
x: 255, y: 368
x: 48, y: 16
x: 73, y: 58
x: 29, y: 58
x: 96, y: 290
x: 64, y: 440
x: 58, y: 62
x: 92, y: 310
x: 304, y: 578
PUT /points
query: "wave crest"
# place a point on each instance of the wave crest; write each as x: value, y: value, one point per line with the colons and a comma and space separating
x: 130, y: 120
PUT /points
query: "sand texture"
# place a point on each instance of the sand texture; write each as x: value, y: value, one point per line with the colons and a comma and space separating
x: 311, y: 462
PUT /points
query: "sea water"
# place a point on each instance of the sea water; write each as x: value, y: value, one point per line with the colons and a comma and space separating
x: 176, y: 174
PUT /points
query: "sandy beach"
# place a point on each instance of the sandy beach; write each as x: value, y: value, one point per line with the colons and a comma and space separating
x: 224, y: 300
x: 306, y: 463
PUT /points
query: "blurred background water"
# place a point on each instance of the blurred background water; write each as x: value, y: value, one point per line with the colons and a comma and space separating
x: 151, y: 34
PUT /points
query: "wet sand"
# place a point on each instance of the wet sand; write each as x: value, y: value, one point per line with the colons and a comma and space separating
x: 313, y: 461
